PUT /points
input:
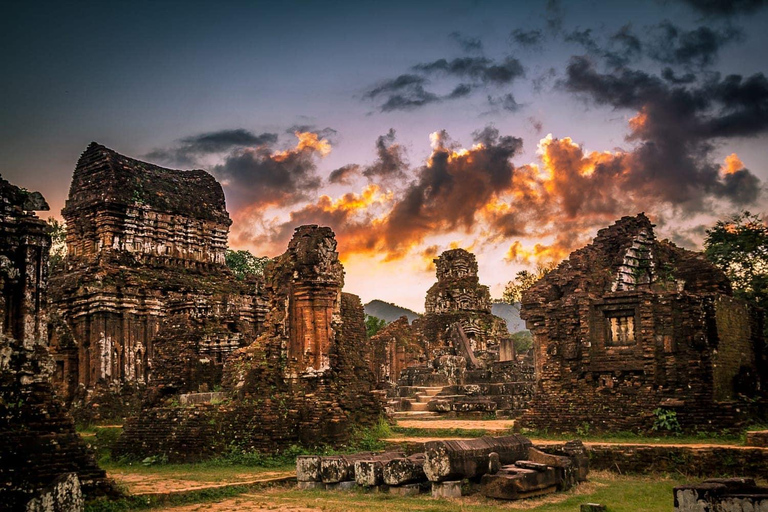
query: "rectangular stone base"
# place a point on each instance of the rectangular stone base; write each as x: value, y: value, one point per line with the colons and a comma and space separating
x: 405, y: 490
x: 341, y: 486
x: 310, y: 486
x: 449, y: 489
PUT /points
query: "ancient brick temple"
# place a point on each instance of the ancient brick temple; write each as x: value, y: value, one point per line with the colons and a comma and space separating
x: 145, y: 295
x: 305, y: 379
x: 38, y: 441
x: 629, y: 325
x: 458, y: 357
x: 458, y: 299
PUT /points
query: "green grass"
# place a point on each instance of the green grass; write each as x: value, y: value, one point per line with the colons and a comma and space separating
x: 619, y: 493
x: 438, y: 432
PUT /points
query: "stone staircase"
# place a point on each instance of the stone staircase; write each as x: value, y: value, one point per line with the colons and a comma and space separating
x: 414, y: 404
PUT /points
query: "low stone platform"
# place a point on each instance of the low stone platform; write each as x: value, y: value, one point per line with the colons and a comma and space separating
x: 758, y: 438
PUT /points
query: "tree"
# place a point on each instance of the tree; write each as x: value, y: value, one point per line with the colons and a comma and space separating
x: 58, y: 232
x: 243, y: 263
x: 523, y: 342
x: 739, y: 246
x: 513, y: 292
x: 373, y: 324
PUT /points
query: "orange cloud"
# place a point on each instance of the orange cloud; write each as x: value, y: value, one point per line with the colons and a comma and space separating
x: 732, y: 164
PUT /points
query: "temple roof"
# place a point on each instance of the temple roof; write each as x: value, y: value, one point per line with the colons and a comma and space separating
x: 103, y: 176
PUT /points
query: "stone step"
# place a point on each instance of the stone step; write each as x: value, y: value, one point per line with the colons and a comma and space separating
x: 424, y: 398
x: 432, y: 391
x: 415, y: 415
x: 419, y: 406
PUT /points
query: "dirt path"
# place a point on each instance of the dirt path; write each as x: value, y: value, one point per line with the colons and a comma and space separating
x: 488, y: 425
x: 163, y: 483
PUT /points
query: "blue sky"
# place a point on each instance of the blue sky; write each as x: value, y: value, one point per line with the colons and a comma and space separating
x: 661, y: 92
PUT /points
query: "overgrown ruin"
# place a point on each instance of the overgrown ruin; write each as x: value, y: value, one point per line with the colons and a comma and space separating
x: 145, y: 296
x: 305, y: 379
x: 458, y: 358
x: 630, y: 328
x: 42, y: 458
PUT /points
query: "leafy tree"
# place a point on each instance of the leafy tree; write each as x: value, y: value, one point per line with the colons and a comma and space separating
x: 739, y: 246
x: 243, y: 263
x: 513, y: 292
x: 523, y: 341
x: 373, y: 324
x: 58, y: 232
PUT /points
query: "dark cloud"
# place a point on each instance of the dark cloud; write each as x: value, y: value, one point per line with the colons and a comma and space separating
x: 344, y: 175
x: 326, y: 133
x: 408, y: 91
x: 451, y: 189
x: 468, y: 44
x: 676, y: 129
x: 669, y: 75
x: 726, y: 7
x: 397, y: 85
x: 506, y: 102
x: 554, y: 16
x: 669, y: 44
x: 527, y: 38
x: 481, y: 69
x: 189, y: 149
x: 390, y: 163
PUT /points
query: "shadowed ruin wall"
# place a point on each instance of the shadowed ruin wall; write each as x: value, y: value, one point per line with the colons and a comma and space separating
x: 629, y: 324
x: 146, y: 248
x: 38, y: 441
x: 306, y: 379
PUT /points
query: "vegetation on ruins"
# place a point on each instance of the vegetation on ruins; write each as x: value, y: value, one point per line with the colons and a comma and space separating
x: 242, y: 263
x: 58, y: 232
x: 513, y: 291
x: 523, y: 342
x: 373, y: 324
x: 739, y: 246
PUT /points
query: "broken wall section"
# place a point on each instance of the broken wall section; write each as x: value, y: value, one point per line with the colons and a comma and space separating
x: 38, y: 441
x: 306, y: 379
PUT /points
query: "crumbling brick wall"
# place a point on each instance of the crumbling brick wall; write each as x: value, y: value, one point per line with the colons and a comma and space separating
x: 306, y: 379
x: 629, y: 324
x: 146, y: 248
x: 38, y: 441
x: 395, y: 346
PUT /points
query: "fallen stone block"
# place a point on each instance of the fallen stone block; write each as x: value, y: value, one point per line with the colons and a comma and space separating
x: 722, y: 494
x: 340, y: 468
x: 459, y: 459
x: 370, y: 472
x: 592, y: 507
x: 405, y: 470
x: 308, y: 468
x: 63, y: 495
x: 448, y: 489
x: 514, y: 482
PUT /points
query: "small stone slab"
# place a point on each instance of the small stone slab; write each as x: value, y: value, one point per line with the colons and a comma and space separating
x: 592, y: 507
x: 527, y: 464
x: 758, y: 438
x: 405, y: 490
x: 347, y: 485
x: 310, y: 486
x: 449, y: 489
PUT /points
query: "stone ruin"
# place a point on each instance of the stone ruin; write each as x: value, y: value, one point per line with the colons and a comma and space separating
x: 145, y: 296
x: 44, y: 465
x: 458, y: 358
x: 305, y: 379
x: 722, y: 495
x: 506, y: 468
x: 629, y: 325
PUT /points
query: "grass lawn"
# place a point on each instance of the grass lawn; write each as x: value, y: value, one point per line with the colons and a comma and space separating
x: 619, y: 493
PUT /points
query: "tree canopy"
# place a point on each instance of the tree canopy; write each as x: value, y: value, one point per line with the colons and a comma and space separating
x: 373, y: 324
x: 58, y: 232
x: 739, y: 246
x: 513, y: 292
x: 243, y: 263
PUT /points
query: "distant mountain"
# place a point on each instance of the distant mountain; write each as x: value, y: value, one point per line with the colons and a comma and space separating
x: 511, y: 314
x: 387, y: 311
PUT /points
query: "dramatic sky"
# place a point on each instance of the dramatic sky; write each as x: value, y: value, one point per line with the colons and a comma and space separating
x: 513, y: 129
